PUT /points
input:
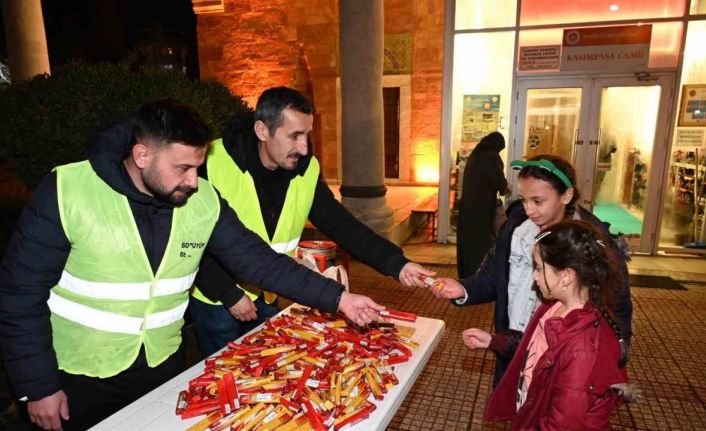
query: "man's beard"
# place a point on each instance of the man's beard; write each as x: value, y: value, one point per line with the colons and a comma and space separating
x: 152, y: 184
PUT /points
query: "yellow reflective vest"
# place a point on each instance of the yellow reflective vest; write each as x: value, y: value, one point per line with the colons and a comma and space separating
x: 108, y: 302
x: 238, y: 189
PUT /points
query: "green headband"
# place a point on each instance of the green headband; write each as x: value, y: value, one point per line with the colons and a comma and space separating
x: 544, y: 164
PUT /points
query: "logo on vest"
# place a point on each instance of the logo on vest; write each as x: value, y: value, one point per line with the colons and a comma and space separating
x: 186, y: 246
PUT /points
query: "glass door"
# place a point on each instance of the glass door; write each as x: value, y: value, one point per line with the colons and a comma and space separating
x: 609, y: 129
x: 628, y: 136
x: 552, y: 118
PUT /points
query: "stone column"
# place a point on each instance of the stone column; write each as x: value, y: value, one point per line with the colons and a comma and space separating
x: 25, y: 38
x: 361, y: 37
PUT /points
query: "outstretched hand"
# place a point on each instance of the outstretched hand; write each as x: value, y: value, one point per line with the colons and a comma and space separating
x: 411, y: 272
x: 476, y: 338
x: 358, y: 308
x: 452, y: 289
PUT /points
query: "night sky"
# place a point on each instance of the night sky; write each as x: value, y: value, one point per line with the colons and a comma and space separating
x: 103, y: 30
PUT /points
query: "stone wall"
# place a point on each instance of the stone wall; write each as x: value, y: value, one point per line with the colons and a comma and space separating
x: 256, y: 44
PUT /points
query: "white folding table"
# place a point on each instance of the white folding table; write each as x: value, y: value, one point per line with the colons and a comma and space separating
x: 155, y: 410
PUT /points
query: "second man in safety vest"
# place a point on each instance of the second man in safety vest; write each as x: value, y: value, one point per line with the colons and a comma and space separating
x: 264, y: 168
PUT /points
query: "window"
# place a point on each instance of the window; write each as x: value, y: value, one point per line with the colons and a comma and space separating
x: 479, y: 14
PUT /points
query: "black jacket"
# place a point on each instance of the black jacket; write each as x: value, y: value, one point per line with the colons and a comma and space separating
x: 38, y: 250
x: 490, y: 282
x: 326, y: 213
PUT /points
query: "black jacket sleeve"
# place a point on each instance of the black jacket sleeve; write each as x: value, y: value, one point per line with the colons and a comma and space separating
x: 364, y: 244
x: 246, y: 256
x: 482, y: 287
x: 33, y: 263
x: 216, y: 283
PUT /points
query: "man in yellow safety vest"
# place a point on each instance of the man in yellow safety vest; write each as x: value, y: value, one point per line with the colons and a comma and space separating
x: 95, y: 281
x: 264, y: 168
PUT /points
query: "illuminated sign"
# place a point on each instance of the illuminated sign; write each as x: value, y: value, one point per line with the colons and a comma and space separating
x: 620, y: 48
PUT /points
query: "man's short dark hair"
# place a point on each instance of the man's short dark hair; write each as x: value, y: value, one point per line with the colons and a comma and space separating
x: 167, y: 121
x: 274, y: 100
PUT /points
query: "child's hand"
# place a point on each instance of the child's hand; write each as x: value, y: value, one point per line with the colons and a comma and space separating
x: 452, y: 289
x: 476, y: 338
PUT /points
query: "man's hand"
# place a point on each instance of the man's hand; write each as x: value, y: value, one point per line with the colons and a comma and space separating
x: 409, y: 276
x: 48, y: 412
x: 452, y: 289
x: 244, y: 309
x: 360, y: 309
x: 476, y: 338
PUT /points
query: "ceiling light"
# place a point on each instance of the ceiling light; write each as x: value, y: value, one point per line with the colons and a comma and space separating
x: 614, y: 8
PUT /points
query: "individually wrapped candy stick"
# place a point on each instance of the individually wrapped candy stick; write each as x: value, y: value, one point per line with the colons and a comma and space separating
x: 399, y: 315
x: 432, y: 282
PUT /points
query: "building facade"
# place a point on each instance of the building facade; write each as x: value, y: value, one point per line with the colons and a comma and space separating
x: 617, y: 87
x: 251, y: 45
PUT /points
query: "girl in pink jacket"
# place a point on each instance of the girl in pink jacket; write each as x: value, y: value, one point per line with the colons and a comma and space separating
x: 568, y: 371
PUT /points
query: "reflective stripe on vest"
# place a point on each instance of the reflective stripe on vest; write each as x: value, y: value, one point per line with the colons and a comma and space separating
x: 109, y: 302
x: 238, y: 189
x: 286, y: 247
x: 112, y: 322
x: 125, y: 291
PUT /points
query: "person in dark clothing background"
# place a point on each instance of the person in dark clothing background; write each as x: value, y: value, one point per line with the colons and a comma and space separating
x: 483, y: 179
x: 263, y: 166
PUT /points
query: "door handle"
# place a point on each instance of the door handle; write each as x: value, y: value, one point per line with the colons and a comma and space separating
x: 577, y: 142
x: 598, y: 138
x: 600, y: 135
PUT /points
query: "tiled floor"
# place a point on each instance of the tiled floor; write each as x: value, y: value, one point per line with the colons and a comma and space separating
x: 667, y: 359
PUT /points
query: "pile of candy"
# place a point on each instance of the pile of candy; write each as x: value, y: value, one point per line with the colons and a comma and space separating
x: 303, y: 371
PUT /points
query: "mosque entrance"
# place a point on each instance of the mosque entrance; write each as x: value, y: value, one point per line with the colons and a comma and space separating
x: 615, y: 131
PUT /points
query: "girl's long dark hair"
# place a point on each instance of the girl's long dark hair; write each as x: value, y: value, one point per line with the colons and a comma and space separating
x: 579, y: 246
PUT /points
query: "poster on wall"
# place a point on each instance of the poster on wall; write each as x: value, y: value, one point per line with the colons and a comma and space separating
x: 481, y: 115
x: 693, y: 106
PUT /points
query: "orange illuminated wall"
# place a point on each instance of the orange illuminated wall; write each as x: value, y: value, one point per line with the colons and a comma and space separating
x: 254, y: 44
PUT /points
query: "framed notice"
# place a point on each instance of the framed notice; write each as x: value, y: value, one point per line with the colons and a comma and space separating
x: 544, y: 57
x: 690, y: 137
x: 397, y: 59
x: 692, y: 112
